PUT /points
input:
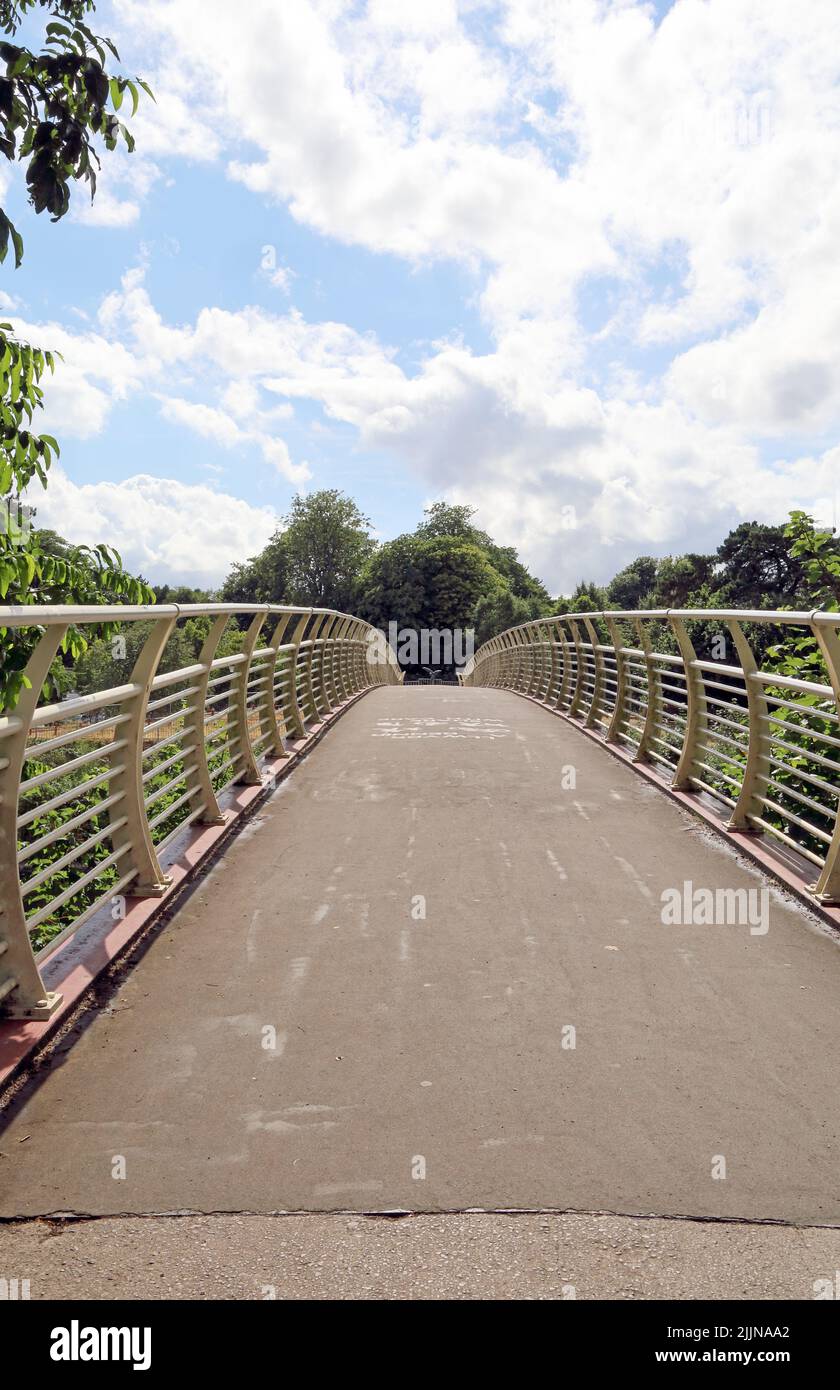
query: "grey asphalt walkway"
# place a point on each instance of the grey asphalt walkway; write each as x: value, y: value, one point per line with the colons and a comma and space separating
x: 366, y: 1004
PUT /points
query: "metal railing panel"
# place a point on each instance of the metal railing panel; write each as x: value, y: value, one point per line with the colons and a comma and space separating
x: 93, y: 787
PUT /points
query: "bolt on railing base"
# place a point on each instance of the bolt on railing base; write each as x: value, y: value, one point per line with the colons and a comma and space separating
x: 38, y: 1011
x: 151, y: 890
x: 825, y: 899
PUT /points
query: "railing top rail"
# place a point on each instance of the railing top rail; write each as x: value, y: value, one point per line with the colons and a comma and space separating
x: 790, y: 616
x: 52, y: 615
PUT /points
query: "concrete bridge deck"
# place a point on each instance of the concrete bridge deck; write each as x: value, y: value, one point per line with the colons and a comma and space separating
x: 419, y: 1060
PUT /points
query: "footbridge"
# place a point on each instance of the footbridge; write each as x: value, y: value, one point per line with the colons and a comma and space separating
x: 283, y: 936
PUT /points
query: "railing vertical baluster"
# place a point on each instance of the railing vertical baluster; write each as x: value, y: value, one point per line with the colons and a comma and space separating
x: 532, y: 638
x: 523, y: 665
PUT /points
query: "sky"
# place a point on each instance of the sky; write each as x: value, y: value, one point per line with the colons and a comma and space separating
x: 573, y: 262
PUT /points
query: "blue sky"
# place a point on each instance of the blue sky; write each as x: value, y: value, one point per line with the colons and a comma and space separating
x: 553, y: 261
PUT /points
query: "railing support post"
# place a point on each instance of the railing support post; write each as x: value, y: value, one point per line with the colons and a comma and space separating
x: 827, y: 886
x: 309, y: 658
x: 758, y: 756
x: 22, y: 993
x: 325, y: 673
x: 250, y: 775
x: 652, y: 698
x: 267, y: 704
x: 150, y: 881
x: 580, y: 663
x: 597, y: 675
x: 565, y: 667
x: 620, y: 708
x: 203, y: 793
x: 695, y: 707
x: 295, y: 711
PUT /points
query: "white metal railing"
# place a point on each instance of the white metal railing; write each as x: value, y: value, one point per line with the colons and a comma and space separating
x: 763, y: 745
x: 93, y: 788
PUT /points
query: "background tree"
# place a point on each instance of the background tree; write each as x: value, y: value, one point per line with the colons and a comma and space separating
x: 817, y: 552
x: 392, y: 584
x: 262, y: 579
x: 679, y: 577
x: 450, y: 574
x: 326, y: 541
x: 588, y: 597
x: 633, y: 586
x: 496, y: 612
x: 755, y: 568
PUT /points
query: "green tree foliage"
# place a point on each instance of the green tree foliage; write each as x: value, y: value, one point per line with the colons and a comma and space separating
x: 678, y: 578
x: 56, y: 104
x: 817, y: 552
x: 106, y: 663
x: 181, y: 593
x: 496, y: 612
x: 456, y: 575
x: 57, y: 573
x: 262, y: 579
x: 449, y: 574
x: 632, y: 587
x: 392, y: 585
x: 448, y: 519
x: 326, y: 541
x: 314, y: 558
x: 588, y: 598
x: 755, y: 568
x: 422, y: 581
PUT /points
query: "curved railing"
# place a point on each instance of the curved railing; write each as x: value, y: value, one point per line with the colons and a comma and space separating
x: 742, y: 726
x: 94, y: 787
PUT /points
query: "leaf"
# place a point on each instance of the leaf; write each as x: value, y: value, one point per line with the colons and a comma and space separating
x: 8, y: 572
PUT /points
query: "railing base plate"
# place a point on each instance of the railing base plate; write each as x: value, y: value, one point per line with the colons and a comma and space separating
x: 39, y: 1011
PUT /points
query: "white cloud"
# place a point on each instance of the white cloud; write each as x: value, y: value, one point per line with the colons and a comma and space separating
x: 167, y: 530
x: 683, y: 174
x: 135, y: 352
x: 122, y: 184
x: 217, y: 425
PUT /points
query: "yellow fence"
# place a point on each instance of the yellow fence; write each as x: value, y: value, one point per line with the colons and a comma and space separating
x: 95, y: 786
